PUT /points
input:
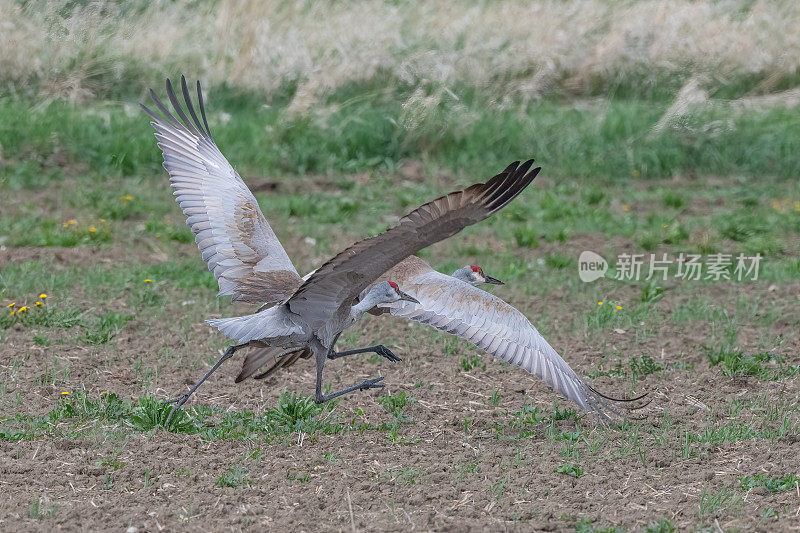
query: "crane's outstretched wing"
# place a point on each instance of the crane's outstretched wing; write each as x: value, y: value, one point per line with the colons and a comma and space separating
x: 450, y: 305
x: 341, y: 280
x: 234, y: 238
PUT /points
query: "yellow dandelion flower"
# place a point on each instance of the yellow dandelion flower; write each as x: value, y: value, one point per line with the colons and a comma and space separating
x: 148, y: 280
x: 12, y: 304
x: 66, y: 392
x: 72, y: 222
x: 599, y: 303
x: 23, y: 309
x: 664, y: 226
x: 619, y: 307
x: 43, y: 296
x: 102, y: 221
x: 64, y: 225
x: 39, y: 304
x: 92, y: 229
x: 13, y: 312
x: 127, y: 198
x: 626, y: 207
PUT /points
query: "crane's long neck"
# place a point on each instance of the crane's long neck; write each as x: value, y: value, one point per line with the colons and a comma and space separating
x: 370, y: 300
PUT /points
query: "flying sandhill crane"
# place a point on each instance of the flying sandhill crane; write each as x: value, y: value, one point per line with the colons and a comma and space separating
x: 456, y: 305
x: 249, y: 262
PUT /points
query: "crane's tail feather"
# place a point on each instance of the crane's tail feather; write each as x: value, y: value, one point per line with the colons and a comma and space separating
x: 275, y: 357
x: 285, y: 361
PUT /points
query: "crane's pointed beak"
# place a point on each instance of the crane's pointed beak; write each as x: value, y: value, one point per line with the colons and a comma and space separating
x: 492, y: 281
x: 407, y: 297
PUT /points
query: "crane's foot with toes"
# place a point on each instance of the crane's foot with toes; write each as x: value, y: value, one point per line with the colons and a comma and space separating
x: 373, y: 383
x: 383, y: 351
x: 379, y: 349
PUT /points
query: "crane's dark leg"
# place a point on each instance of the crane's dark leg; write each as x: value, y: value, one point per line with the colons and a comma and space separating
x: 182, y: 400
x: 367, y: 384
x: 379, y: 349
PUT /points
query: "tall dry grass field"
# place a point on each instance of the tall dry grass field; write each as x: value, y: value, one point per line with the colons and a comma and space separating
x: 507, y: 51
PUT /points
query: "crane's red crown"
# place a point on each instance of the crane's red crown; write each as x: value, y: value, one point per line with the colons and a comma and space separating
x: 393, y: 285
x: 477, y: 270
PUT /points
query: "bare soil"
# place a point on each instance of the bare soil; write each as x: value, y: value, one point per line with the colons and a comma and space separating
x: 451, y: 470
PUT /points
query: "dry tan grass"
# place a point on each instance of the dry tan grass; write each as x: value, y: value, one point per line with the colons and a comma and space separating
x: 514, y: 50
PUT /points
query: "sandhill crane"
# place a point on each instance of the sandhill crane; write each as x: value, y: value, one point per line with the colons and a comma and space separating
x: 260, y: 357
x: 456, y: 305
x: 250, y: 264
x: 278, y: 358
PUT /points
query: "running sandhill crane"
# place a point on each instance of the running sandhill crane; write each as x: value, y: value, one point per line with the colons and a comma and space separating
x: 250, y: 264
x: 456, y: 305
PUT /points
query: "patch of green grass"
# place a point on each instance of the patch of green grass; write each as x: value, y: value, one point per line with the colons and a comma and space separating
x: 738, y: 364
x: 674, y: 199
x: 41, y: 340
x: 782, y: 483
x: 151, y: 414
x: 527, y: 418
x: 526, y: 237
x: 472, y: 361
x: 295, y: 412
x: 106, y: 327
x: 643, y: 366
x: 715, y: 500
x: 167, y: 231
x: 766, y: 245
x: 569, y: 469
x: 586, y: 525
x: 394, y: 403
x: 234, y: 477
x: 651, y: 292
x: 560, y: 261
x: 663, y: 525
x: 494, y: 399
x: 34, y: 230
x: 649, y: 240
x: 42, y: 508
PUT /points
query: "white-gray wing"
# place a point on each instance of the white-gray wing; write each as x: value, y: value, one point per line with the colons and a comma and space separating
x: 271, y: 323
x: 234, y: 238
x: 491, y: 324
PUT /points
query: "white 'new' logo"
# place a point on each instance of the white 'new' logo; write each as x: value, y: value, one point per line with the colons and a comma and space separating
x: 591, y: 266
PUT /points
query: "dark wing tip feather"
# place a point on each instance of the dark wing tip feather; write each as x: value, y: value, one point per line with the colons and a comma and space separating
x: 510, y: 186
x: 171, y: 120
x: 617, y: 399
x: 188, y: 99
x: 516, y: 189
x: 193, y: 126
x: 202, y: 107
x: 179, y: 109
x: 150, y: 112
